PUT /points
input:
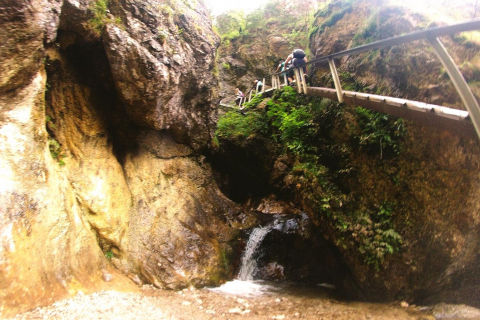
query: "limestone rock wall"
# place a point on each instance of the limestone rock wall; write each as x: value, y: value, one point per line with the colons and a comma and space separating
x: 100, y: 130
x: 46, y: 247
x: 170, y: 47
x: 178, y: 233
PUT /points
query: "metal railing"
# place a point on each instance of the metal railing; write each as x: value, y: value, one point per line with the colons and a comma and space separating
x: 432, y: 34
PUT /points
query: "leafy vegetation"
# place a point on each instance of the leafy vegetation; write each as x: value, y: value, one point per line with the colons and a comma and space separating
x: 379, y: 133
x: 226, y: 66
x: 109, y: 254
x: 56, y: 151
x: 306, y: 129
x: 235, y: 125
x: 231, y: 24
x: 291, y: 21
x: 100, y: 17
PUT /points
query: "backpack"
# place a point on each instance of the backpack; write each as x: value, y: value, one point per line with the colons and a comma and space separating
x: 297, y: 63
x: 299, y: 54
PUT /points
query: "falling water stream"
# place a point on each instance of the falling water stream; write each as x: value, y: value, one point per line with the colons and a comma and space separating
x: 245, y: 283
x: 249, y: 264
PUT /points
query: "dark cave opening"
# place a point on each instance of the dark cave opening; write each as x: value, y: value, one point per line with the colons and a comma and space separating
x: 243, y: 173
x: 86, y: 64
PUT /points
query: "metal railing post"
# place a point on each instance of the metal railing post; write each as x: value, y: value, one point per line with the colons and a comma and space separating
x: 459, y: 82
x: 250, y: 96
x: 303, y: 81
x: 336, y: 80
x: 263, y: 85
x: 273, y: 82
x: 297, y: 80
x: 285, y: 79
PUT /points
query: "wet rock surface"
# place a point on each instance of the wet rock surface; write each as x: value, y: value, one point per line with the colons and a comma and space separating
x: 179, y: 232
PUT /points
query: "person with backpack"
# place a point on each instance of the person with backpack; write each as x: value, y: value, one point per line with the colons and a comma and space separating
x: 297, y: 59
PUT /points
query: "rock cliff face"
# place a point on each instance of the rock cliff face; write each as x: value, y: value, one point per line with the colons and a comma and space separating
x: 432, y: 183
x: 435, y: 176
x: 104, y: 107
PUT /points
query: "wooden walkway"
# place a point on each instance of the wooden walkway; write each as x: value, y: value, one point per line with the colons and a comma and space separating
x: 460, y: 121
x: 424, y: 113
x: 420, y: 112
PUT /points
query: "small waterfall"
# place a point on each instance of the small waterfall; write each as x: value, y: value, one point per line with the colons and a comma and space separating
x: 249, y: 264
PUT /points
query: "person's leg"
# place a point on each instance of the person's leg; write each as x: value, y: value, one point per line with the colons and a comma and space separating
x: 290, y: 76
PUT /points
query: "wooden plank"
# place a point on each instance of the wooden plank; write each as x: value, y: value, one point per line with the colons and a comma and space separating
x: 418, y: 106
x: 450, y: 113
x: 361, y: 96
x: 376, y: 98
x: 349, y: 93
x: 451, y: 119
x: 396, y: 102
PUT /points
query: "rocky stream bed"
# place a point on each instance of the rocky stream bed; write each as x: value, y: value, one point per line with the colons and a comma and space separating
x: 281, y: 303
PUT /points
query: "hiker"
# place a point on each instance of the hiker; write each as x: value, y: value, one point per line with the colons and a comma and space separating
x: 258, y: 86
x: 297, y: 59
x: 239, y: 95
x: 280, y: 67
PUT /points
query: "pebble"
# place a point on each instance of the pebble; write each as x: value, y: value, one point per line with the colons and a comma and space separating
x: 107, y: 277
x: 279, y: 317
x: 235, y: 310
x: 242, y: 301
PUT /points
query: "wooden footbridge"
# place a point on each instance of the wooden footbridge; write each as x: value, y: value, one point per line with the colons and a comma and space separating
x: 463, y: 122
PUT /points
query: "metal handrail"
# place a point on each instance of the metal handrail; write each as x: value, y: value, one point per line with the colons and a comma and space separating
x: 417, y: 35
x: 413, y: 36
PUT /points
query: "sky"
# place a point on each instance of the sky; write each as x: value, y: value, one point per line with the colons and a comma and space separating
x: 219, y: 6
